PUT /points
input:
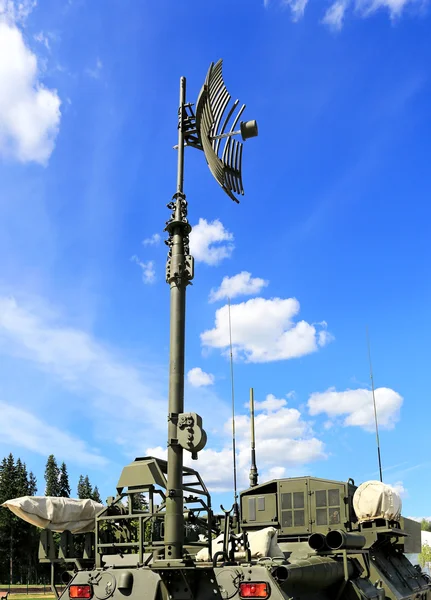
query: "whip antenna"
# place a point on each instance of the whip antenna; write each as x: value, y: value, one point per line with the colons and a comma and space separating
x: 233, y: 415
x: 375, y: 407
x: 253, y: 468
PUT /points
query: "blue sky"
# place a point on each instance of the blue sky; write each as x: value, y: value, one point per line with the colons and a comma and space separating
x: 331, y: 237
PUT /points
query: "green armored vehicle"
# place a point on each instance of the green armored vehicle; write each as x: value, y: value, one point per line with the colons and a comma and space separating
x: 300, y: 538
x: 321, y: 549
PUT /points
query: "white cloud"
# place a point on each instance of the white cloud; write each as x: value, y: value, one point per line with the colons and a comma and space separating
x: 398, y: 486
x: 76, y: 359
x: 29, y: 112
x: 198, y: 378
x: 270, y: 404
x: 148, y: 271
x: 277, y: 426
x: 210, y: 242
x: 334, y: 16
x: 297, y: 8
x: 16, y: 11
x: 152, y: 241
x: 264, y: 331
x: 42, y: 39
x: 242, y: 284
x: 96, y: 70
x: 356, y: 406
x: 23, y: 429
x: 395, y: 7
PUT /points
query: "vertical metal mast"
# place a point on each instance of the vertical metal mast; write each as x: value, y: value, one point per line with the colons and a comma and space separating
x: 202, y: 131
x: 375, y: 408
x: 253, y: 468
x: 177, y: 276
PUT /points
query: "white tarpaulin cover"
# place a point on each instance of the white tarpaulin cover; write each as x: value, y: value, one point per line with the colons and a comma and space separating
x: 57, y: 514
x: 262, y: 543
x: 377, y: 500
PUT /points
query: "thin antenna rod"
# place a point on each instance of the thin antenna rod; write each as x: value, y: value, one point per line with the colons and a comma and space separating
x: 375, y: 407
x: 253, y: 467
x: 233, y: 415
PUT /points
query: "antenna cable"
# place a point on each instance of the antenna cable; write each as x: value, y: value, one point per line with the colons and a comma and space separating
x: 233, y: 415
x: 375, y: 407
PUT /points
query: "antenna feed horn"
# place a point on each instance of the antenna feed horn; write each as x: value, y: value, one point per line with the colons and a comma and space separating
x: 190, y: 434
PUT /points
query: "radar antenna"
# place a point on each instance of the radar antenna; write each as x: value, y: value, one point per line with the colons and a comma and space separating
x: 375, y: 408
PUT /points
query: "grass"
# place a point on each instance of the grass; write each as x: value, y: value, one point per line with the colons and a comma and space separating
x: 31, y: 596
x: 25, y: 597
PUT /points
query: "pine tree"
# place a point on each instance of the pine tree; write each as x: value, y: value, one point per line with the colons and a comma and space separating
x: 52, y: 477
x: 64, y: 481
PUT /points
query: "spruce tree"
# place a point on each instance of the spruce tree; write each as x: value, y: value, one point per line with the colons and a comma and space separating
x: 18, y: 539
x: 96, y: 495
x: 32, y: 484
x: 81, y: 488
x: 52, y: 477
x: 88, y: 487
x: 85, y: 489
x: 64, y: 481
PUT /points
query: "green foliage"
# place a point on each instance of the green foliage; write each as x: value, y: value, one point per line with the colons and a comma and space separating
x: 139, y: 502
x: 52, y: 477
x: 425, y: 525
x: 96, y: 495
x: 85, y: 489
x: 64, y: 482
x: 425, y: 555
x: 18, y: 539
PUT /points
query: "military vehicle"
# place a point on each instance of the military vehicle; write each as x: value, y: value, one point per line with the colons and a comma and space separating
x: 299, y: 538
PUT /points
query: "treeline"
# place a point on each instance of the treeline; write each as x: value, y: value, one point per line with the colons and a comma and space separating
x: 19, y: 540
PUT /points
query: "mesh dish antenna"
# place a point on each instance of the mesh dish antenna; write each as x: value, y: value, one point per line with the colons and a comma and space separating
x: 216, y: 122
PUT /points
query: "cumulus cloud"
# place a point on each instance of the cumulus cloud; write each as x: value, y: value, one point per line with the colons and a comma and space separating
x: 270, y: 404
x: 334, y: 16
x: 398, y: 486
x: 198, y: 378
x: 147, y: 268
x: 152, y: 240
x: 210, y: 242
x: 265, y: 330
x: 356, y: 406
x: 21, y: 428
x: 29, y: 112
x: 277, y: 426
x: 242, y: 284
